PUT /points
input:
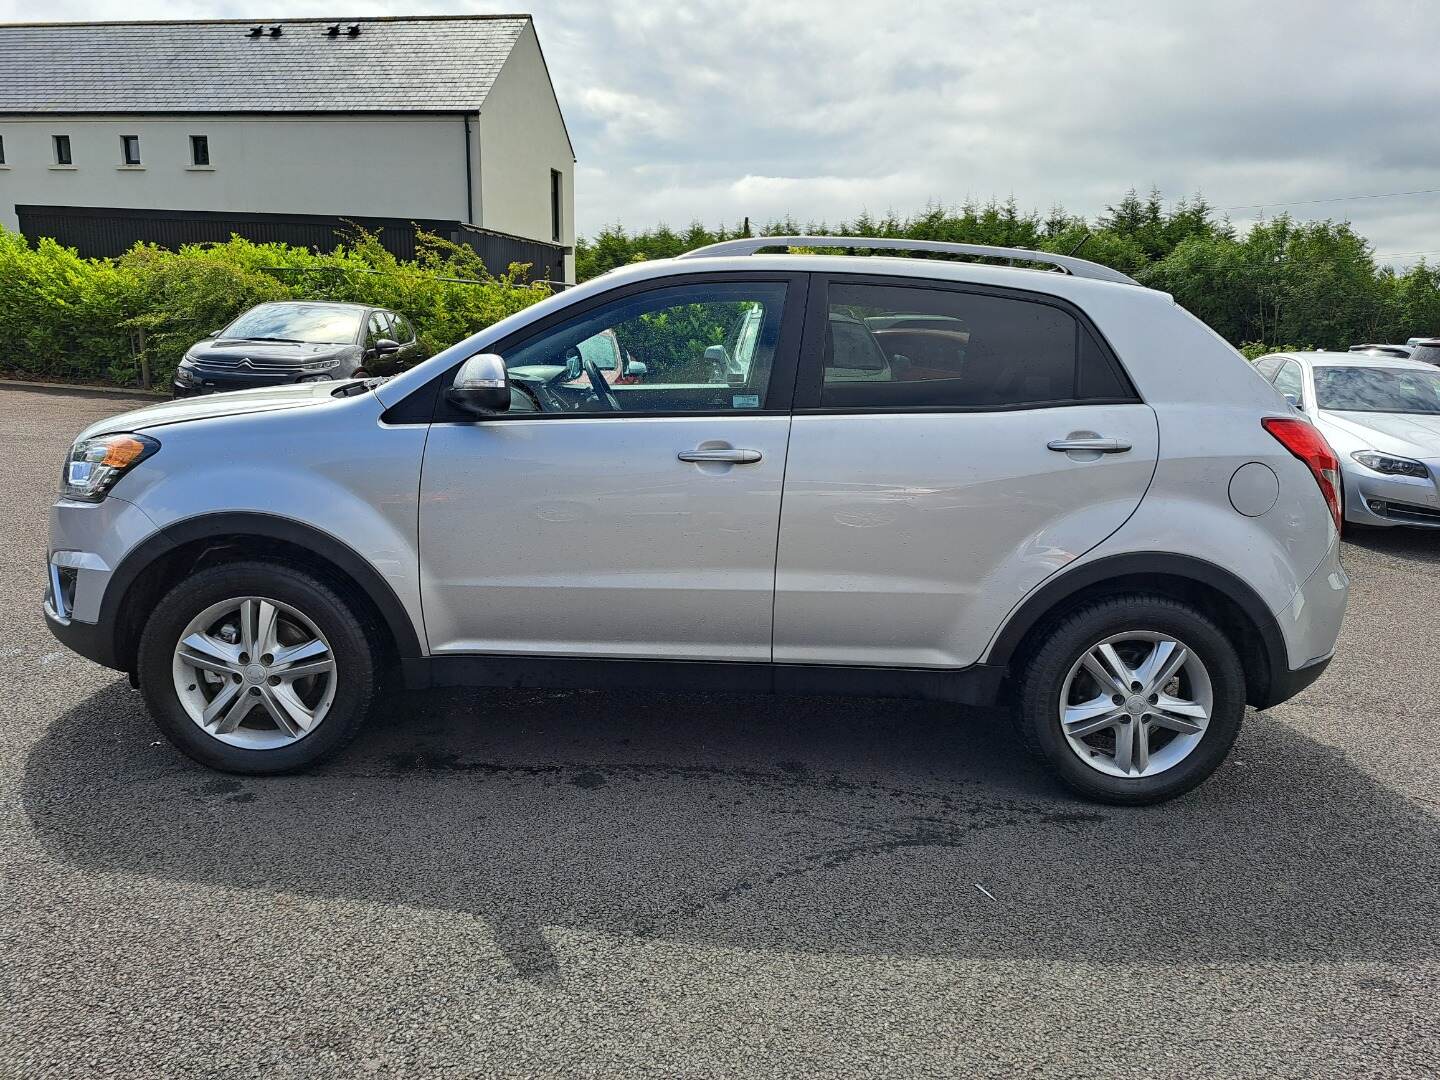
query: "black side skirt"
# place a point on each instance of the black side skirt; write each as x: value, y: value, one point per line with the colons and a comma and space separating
x: 975, y: 685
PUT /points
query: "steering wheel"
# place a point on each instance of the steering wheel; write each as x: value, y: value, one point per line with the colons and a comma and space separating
x: 599, y: 385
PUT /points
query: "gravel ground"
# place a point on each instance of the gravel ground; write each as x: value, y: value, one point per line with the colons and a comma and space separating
x: 590, y: 884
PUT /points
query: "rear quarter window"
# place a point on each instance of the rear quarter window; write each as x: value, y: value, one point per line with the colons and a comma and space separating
x: 901, y: 346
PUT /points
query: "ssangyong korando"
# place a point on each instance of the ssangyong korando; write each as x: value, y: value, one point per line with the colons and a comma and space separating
x: 836, y: 475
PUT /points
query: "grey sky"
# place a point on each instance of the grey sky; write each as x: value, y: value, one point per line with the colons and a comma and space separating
x: 715, y: 109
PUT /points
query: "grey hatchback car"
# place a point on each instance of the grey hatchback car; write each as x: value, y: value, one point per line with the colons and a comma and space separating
x: 1073, y: 497
x: 295, y: 341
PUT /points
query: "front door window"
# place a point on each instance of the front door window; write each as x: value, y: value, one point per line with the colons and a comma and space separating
x: 687, y: 348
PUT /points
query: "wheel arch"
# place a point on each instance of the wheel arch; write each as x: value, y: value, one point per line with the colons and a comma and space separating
x: 209, y: 539
x: 1211, y: 589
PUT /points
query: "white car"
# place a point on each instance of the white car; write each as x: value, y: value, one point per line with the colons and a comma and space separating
x: 1381, y: 414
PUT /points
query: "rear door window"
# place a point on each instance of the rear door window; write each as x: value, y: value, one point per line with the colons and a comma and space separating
x: 915, y: 347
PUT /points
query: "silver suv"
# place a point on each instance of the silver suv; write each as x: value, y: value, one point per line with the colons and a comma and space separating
x: 881, y: 476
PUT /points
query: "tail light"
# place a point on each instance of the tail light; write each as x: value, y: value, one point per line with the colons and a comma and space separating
x: 1304, y: 440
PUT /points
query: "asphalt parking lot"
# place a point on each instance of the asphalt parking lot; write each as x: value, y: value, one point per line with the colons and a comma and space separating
x: 507, y: 883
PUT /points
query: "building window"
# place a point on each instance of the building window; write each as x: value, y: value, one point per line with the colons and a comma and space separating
x: 130, y: 149
x: 62, y: 150
x: 556, y: 204
x: 199, y: 149
x: 2, y: 149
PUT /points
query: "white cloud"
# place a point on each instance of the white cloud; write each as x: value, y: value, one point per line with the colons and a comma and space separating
x: 718, y: 109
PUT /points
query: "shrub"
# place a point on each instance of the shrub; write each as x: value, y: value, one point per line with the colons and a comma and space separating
x: 1253, y: 350
x: 99, y: 319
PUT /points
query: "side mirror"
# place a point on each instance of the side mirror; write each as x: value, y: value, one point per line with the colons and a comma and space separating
x: 1294, y: 402
x: 481, y: 386
x: 635, y: 369
x: 573, y: 364
x: 385, y: 347
x: 214, y: 333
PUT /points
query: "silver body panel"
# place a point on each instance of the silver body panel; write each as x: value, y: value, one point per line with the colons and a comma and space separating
x: 587, y: 536
x: 876, y: 539
x: 294, y: 452
x: 906, y: 538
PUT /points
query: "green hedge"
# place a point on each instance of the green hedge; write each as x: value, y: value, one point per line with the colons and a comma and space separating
x: 96, y: 320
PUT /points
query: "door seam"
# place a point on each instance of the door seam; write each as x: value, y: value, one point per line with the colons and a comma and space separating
x: 779, y: 527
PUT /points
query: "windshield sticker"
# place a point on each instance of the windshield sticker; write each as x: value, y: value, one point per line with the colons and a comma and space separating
x: 744, y: 401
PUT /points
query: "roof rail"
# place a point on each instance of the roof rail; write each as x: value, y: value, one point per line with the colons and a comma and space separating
x: 751, y: 244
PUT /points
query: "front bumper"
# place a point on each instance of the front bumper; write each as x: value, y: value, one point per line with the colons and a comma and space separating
x: 213, y: 383
x: 89, y: 640
x: 1372, y: 498
x: 87, y: 542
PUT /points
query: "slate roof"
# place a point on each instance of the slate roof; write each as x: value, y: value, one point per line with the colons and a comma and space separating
x: 425, y: 64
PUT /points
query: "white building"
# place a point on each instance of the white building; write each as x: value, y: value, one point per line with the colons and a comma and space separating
x: 180, y: 131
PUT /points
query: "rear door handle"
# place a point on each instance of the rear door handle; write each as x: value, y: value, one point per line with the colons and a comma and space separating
x: 1094, y: 446
x: 726, y: 455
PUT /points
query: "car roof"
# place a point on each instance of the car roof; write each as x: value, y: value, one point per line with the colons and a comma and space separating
x: 1322, y: 358
x: 1051, y: 282
x: 339, y: 305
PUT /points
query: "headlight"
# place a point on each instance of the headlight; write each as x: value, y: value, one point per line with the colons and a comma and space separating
x: 321, y: 365
x: 96, y: 464
x: 1391, y: 465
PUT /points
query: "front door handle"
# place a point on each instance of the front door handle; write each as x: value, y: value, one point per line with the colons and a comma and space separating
x: 1088, y: 445
x: 726, y: 455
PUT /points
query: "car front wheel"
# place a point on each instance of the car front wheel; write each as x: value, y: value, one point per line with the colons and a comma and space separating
x: 1132, y: 699
x: 256, y: 668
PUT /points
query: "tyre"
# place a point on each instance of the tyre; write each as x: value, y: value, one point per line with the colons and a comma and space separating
x: 1133, y: 699
x: 255, y: 667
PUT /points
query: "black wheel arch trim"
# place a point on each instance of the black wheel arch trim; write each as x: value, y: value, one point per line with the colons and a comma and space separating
x: 362, y: 573
x: 1054, y: 592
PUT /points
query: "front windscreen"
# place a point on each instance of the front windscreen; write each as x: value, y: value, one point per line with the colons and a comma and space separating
x: 1377, y: 389
x: 313, y: 324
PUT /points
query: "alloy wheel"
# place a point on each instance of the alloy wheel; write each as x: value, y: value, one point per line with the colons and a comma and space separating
x: 254, y: 673
x: 1136, y: 704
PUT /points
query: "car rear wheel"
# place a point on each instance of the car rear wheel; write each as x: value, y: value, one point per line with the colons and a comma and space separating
x: 256, y: 668
x: 1133, y: 699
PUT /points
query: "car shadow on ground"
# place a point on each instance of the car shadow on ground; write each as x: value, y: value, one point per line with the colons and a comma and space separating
x: 853, y: 826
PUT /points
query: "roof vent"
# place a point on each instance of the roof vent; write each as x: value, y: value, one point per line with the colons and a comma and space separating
x: 275, y: 31
x: 333, y: 30
x: 353, y: 30
x: 255, y: 31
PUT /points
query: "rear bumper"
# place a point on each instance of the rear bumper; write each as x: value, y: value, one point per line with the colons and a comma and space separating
x: 1310, y: 624
x: 1284, y: 685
